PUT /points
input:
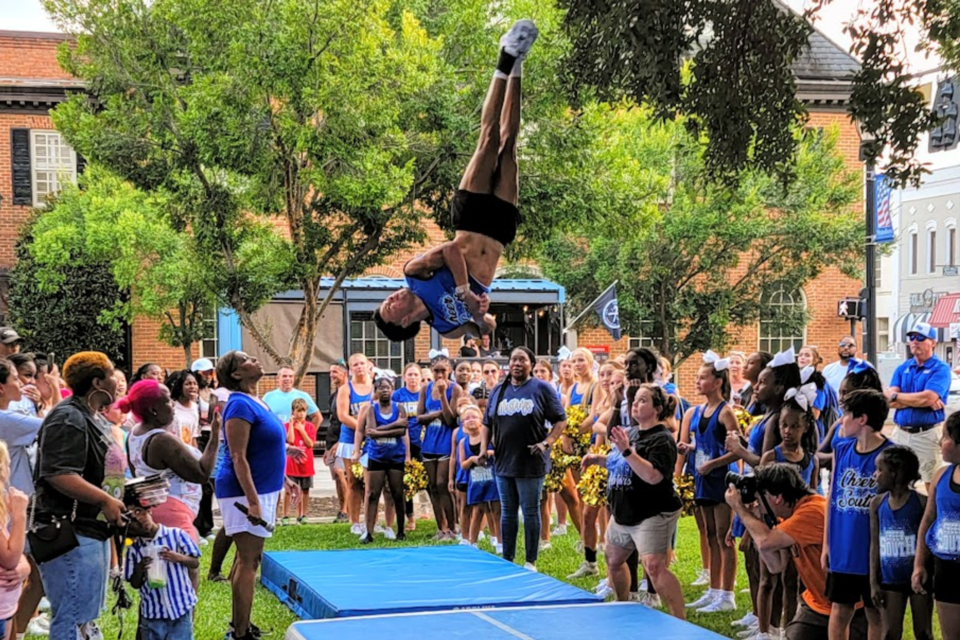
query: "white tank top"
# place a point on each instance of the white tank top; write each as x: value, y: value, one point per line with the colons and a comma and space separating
x: 188, y: 493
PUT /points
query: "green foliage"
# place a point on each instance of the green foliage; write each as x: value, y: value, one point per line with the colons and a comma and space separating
x: 69, y: 319
x: 693, y: 257
x: 742, y: 94
x: 107, y: 221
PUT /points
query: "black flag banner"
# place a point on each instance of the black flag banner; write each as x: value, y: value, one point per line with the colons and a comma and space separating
x: 609, y: 311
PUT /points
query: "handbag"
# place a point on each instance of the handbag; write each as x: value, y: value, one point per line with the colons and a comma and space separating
x: 50, y: 541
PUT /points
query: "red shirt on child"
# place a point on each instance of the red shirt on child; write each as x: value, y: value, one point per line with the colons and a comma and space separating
x: 302, y: 469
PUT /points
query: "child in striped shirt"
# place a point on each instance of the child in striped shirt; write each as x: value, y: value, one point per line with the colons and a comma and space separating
x: 166, y: 609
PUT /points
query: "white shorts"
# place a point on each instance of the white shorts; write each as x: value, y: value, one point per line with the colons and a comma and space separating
x: 345, y: 456
x: 235, y: 522
x: 926, y: 445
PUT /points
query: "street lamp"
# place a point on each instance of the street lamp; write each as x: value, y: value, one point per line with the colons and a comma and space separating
x: 868, y: 157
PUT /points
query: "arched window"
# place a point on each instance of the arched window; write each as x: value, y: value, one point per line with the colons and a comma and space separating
x: 783, y: 319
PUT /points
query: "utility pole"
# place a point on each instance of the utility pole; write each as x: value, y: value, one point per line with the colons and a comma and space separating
x: 869, y: 328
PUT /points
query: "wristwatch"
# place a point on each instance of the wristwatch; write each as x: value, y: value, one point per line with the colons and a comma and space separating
x: 627, y: 452
x: 893, y: 396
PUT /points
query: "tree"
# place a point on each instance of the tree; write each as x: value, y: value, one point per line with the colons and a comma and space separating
x: 341, y: 123
x: 70, y: 319
x: 742, y: 94
x: 106, y: 221
x: 693, y: 257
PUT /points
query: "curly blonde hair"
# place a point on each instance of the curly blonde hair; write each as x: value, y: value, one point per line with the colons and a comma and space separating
x: 81, y: 369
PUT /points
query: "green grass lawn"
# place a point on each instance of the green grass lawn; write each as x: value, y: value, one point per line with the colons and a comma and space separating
x: 213, y: 610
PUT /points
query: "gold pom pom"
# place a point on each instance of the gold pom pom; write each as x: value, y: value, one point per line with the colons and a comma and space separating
x: 684, y: 487
x: 593, y: 486
x: 414, y: 479
x: 357, y: 470
x: 744, y: 419
x: 580, y: 441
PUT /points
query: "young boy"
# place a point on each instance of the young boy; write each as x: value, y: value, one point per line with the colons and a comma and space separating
x: 302, y: 435
x: 166, y: 613
x: 846, y: 549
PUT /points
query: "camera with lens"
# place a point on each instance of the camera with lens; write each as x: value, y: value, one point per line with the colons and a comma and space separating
x: 746, y: 485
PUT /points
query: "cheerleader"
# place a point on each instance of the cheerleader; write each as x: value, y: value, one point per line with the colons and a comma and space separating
x: 895, y: 516
x: 350, y: 399
x: 712, y: 421
x: 384, y: 429
x: 435, y: 412
x: 939, y: 536
x: 408, y: 397
x: 483, y: 498
x: 581, y: 394
x: 458, y: 474
x: 543, y: 371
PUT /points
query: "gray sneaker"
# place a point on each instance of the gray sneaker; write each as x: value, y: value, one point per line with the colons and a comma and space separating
x: 518, y: 40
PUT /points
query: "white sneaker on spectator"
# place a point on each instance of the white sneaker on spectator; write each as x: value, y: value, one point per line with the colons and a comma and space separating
x: 44, y: 605
x: 90, y: 631
x: 377, y: 528
x: 748, y: 620
x: 764, y: 636
x: 650, y: 600
x: 211, y: 537
x: 203, y: 542
x: 389, y: 534
x: 36, y: 629
x: 702, y: 601
x: 356, y: 528
x: 482, y: 536
x: 750, y: 631
x: 604, y: 591
x: 722, y: 602
x: 530, y: 567
x: 703, y: 579
x: 559, y: 530
x: 498, y: 548
x: 464, y: 542
x: 545, y: 545
x: 585, y: 569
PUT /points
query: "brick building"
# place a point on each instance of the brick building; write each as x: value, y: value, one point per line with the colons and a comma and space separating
x: 34, y: 157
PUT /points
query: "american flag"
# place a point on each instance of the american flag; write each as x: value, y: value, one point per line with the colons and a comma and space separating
x: 884, y: 221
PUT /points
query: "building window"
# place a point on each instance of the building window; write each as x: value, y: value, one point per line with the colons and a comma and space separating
x: 952, y: 246
x: 878, y: 272
x: 883, y: 334
x: 912, y: 253
x: 783, y: 319
x: 53, y: 163
x: 365, y: 338
x: 638, y: 341
x: 210, y: 343
x: 931, y: 251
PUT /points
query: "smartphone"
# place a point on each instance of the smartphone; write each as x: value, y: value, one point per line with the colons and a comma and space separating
x: 211, y: 410
x: 51, y: 360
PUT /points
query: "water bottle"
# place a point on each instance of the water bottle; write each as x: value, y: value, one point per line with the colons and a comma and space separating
x: 157, y: 571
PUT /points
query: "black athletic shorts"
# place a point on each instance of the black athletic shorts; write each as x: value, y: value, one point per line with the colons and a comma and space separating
x: 848, y: 588
x: 486, y: 214
x: 377, y: 465
x: 946, y: 581
x: 462, y: 487
x: 304, y: 482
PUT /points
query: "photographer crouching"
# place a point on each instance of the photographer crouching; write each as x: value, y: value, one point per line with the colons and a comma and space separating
x: 785, y: 518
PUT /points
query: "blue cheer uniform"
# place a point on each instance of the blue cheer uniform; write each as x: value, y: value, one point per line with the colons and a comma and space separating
x: 898, y: 541
x: 805, y: 466
x: 943, y: 536
x: 436, y: 435
x: 462, y: 476
x: 481, y: 480
x: 409, y: 401
x: 852, y: 489
x: 438, y: 294
x: 711, y: 434
x: 388, y: 450
x: 357, y: 400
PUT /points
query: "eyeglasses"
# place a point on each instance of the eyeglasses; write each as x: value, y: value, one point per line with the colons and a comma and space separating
x: 916, y: 337
x: 846, y: 345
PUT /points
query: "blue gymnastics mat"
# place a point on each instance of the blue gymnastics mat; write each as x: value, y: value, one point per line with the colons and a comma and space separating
x: 363, y: 582
x: 612, y: 620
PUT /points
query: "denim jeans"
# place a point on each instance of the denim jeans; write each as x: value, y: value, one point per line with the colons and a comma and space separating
x: 522, y: 494
x: 76, y: 585
x: 160, y: 629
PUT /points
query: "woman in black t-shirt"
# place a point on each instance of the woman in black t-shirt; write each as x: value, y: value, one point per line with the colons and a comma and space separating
x: 644, y: 507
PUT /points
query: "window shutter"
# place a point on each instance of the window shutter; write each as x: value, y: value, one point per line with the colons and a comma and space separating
x: 81, y: 164
x: 20, y: 167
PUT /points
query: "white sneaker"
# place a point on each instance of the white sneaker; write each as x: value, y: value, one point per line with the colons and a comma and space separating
x: 650, y: 600
x: 545, y: 545
x: 749, y: 632
x: 748, y: 620
x: 494, y: 541
x: 604, y: 591
x: 203, y: 542
x: 377, y: 528
x: 389, y: 534
x: 703, y: 579
x: 356, y: 528
x: 601, y: 584
x: 211, y: 537
x: 585, y: 569
x: 91, y: 631
x: 482, y: 536
x: 764, y: 636
x: 465, y: 543
x: 559, y: 530
x: 518, y: 40
x: 722, y: 603
x: 530, y: 567
x: 44, y: 605
x: 702, y: 601
x: 498, y: 548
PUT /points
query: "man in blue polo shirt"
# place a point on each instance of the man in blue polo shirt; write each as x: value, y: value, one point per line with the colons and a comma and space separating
x: 918, y: 391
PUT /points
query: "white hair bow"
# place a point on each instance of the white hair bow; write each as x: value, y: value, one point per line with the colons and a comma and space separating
x: 804, y: 396
x: 564, y: 354
x: 782, y: 358
x: 434, y: 353
x: 389, y: 374
x: 805, y: 374
x: 719, y: 364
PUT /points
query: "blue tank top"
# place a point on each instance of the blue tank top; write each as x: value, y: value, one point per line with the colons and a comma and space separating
x: 943, y: 536
x: 447, y: 311
x: 805, y: 471
x: 576, y: 397
x: 385, y: 449
x: 463, y: 475
x: 357, y: 400
x: 755, y: 439
x: 852, y: 489
x: 709, y: 446
x: 409, y: 401
x: 898, y: 539
x: 436, y: 435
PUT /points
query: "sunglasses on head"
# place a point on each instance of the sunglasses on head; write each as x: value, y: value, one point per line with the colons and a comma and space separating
x: 916, y: 337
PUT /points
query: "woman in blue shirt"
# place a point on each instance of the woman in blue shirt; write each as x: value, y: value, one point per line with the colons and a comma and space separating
x: 250, y: 478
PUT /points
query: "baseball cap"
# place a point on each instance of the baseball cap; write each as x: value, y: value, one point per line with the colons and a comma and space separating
x: 203, y: 364
x: 924, y: 329
x: 9, y: 336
